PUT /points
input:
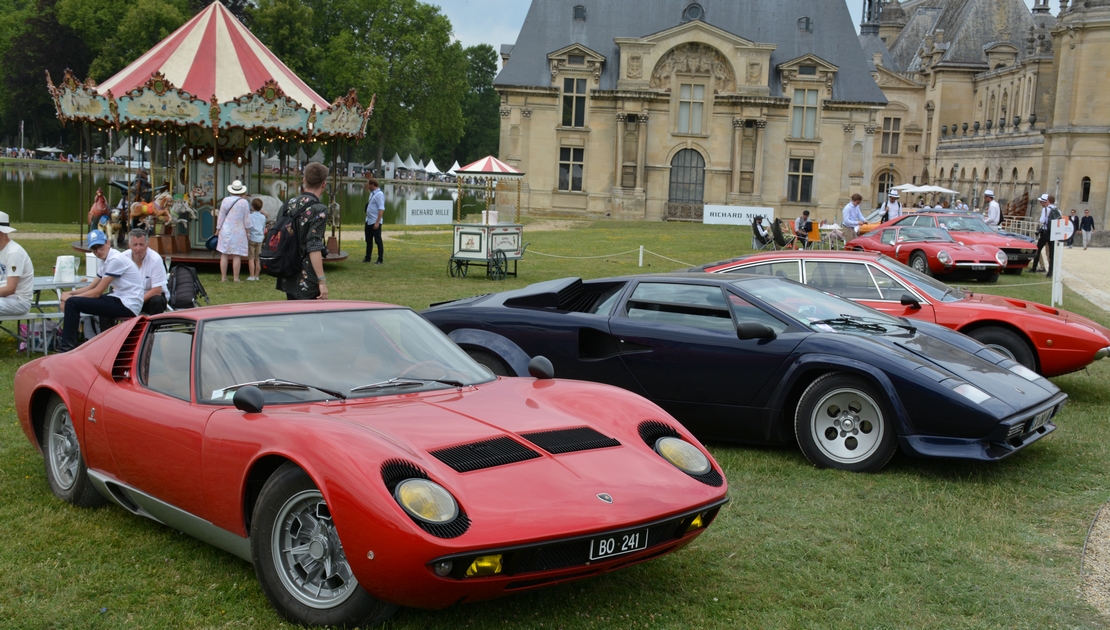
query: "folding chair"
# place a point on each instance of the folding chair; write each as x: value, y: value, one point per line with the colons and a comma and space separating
x: 780, y: 239
x: 759, y: 241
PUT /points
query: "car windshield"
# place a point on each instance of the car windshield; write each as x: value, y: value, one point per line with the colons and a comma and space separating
x: 922, y: 234
x: 298, y: 357
x: 876, y: 216
x: 963, y: 224
x: 818, y: 310
x: 932, y: 287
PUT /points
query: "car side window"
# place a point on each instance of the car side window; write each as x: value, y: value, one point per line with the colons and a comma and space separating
x: 697, y: 306
x: 745, y: 311
x: 846, y: 279
x: 889, y: 288
x: 166, y: 359
x: 782, y: 269
x: 887, y: 237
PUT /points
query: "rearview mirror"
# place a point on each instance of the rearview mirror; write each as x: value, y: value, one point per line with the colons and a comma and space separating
x: 754, y: 330
x: 249, y: 399
x: 540, y: 367
x: 910, y: 301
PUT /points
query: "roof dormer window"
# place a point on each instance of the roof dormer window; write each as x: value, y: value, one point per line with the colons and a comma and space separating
x: 576, y: 60
x: 580, y: 13
x: 807, y: 70
x: 693, y: 12
x: 805, y: 25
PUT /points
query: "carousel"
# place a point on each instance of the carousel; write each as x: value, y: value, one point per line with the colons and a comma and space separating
x: 202, y: 108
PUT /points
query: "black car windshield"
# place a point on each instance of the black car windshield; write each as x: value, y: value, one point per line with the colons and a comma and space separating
x: 922, y: 234
x: 395, y: 350
x: 818, y: 310
x: 932, y: 287
x: 964, y: 224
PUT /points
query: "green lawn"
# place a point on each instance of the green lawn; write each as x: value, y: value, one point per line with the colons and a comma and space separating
x: 923, y: 544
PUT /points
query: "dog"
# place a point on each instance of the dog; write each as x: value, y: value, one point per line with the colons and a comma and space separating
x: 113, y: 226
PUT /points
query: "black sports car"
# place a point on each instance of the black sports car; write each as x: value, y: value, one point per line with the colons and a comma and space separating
x: 766, y: 360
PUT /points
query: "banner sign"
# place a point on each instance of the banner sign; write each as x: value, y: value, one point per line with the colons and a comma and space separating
x: 737, y: 215
x: 420, y: 212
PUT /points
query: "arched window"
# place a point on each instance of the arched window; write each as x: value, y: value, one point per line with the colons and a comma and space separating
x: 925, y: 176
x: 580, y: 13
x: 692, y: 12
x: 1086, y: 190
x: 1029, y: 176
x: 687, y: 177
x: 886, y: 182
x: 941, y: 174
x: 805, y: 25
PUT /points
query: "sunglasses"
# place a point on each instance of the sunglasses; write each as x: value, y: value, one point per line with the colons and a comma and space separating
x: 96, y: 248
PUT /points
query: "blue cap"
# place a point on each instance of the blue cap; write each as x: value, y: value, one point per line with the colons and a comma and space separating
x: 103, y: 220
x: 96, y: 237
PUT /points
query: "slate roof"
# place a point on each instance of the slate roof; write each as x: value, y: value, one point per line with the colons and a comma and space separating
x: 969, y: 27
x: 550, y: 26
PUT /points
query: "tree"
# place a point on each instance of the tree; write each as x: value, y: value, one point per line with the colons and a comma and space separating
x: 482, y: 130
x: 118, y: 31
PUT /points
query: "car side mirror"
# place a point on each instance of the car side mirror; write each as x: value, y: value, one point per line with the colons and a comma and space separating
x: 754, y: 330
x: 540, y: 367
x: 910, y: 301
x: 249, y: 399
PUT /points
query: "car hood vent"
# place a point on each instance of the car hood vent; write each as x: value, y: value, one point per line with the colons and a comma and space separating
x: 569, y: 440
x: 125, y: 359
x: 484, y: 454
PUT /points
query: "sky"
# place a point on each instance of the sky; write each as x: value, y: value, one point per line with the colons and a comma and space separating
x: 497, y: 22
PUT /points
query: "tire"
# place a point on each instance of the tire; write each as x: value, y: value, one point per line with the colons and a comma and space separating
x: 490, y: 362
x: 498, y: 266
x: 65, y: 463
x: 291, y: 514
x: 1012, y: 271
x: 842, y: 422
x: 920, y: 262
x: 1007, y: 342
x: 989, y: 278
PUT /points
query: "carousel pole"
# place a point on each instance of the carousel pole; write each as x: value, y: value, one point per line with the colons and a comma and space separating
x: 458, y: 199
x: 80, y: 129
x: 518, y: 201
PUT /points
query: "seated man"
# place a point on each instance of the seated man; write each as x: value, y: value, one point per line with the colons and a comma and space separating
x: 152, y: 269
x: 802, y: 227
x: 113, y: 270
x: 17, y: 274
x: 760, y: 237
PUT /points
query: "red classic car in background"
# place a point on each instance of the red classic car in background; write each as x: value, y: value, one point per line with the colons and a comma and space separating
x: 933, y: 251
x: 1045, y: 339
x: 360, y: 459
x: 972, y: 230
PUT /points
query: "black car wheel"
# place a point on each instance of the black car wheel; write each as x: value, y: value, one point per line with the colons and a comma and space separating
x: 299, y: 559
x: 1007, y: 342
x: 842, y: 423
x: 1014, y: 271
x: 989, y: 277
x: 490, y: 362
x: 920, y: 262
x: 65, y: 465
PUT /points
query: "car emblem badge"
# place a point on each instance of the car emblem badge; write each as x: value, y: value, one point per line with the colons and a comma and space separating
x: 606, y: 497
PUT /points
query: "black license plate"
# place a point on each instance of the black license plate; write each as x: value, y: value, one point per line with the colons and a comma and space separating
x: 978, y: 267
x: 1039, y: 420
x: 611, y: 545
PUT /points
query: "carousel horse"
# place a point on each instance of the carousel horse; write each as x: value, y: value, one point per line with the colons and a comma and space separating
x: 99, y: 209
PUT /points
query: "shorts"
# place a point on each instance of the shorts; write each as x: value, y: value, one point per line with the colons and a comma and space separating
x: 254, y: 250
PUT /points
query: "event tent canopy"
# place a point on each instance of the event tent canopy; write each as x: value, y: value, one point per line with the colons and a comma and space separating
x: 490, y: 167
x: 410, y: 165
x: 396, y: 162
x: 431, y: 169
x: 454, y: 168
x: 318, y: 156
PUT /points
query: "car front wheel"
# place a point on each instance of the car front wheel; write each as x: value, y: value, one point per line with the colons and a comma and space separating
x: 490, y: 362
x: 920, y: 262
x: 299, y: 559
x: 65, y: 464
x: 842, y: 423
x: 1006, y: 342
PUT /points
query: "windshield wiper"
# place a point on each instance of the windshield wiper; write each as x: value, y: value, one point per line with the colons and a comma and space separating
x: 407, y: 382
x: 277, y: 383
x: 863, y: 323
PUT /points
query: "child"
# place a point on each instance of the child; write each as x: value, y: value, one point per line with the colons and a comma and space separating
x: 257, y: 232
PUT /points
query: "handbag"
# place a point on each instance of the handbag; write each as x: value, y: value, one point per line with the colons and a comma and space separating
x: 210, y: 244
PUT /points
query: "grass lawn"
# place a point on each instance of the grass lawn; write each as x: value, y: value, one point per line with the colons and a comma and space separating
x: 923, y: 544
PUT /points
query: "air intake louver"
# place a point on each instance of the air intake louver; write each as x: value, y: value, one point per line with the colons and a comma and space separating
x: 652, y: 430
x: 125, y: 360
x: 569, y: 440
x: 394, y: 471
x: 484, y: 454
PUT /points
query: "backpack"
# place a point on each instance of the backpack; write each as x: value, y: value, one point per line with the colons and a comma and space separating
x: 185, y: 287
x: 1053, y: 214
x: 281, y: 250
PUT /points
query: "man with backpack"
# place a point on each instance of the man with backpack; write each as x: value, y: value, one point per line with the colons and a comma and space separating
x: 309, y: 220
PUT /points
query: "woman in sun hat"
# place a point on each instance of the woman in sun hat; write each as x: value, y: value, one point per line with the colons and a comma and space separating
x: 233, y: 228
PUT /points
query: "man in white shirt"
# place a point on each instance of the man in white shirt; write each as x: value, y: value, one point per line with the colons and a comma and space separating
x: 156, y: 293
x: 961, y: 206
x: 892, y: 208
x: 113, y: 270
x: 1043, y: 232
x: 853, y: 216
x: 994, y: 213
x: 17, y: 274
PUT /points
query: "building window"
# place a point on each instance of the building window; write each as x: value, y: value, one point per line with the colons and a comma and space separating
x: 886, y: 182
x: 805, y: 114
x: 574, y: 102
x: 570, y: 169
x: 576, y: 60
x: 892, y: 131
x: 580, y: 12
x: 800, y: 180
x: 691, y: 104
x: 1086, y: 189
x: 687, y: 177
x: 805, y: 25
x: 692, y: 12
x: 808, y: 71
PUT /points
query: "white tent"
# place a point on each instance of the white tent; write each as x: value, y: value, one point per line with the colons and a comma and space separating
x: 396, y: 162
x: 136, y: 150
x: 318, y: 156
x: 454, y: 167
x: 420, y: 166
x: 409, y: 164
x: 431, y: 168
x: 272, y: 161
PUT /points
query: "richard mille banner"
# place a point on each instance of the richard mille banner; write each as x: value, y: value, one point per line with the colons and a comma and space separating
x: 737, y: 215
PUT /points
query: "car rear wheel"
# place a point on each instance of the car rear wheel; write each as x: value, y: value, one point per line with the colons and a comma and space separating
x: 65, y: 464
x: 841, y: 423
x: 299, y: 559
x: 1007, y: 342
x: 490, y: 362
x: 920, y: 262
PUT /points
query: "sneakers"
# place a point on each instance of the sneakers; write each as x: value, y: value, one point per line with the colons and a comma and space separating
x: 377, y: 262
x: 252, y: 278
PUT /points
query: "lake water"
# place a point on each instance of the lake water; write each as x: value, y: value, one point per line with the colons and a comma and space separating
x: 51, y: 195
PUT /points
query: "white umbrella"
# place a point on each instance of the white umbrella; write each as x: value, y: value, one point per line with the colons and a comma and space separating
x: 930, y: 189
x: 50, y: 150
x: 903, y: 187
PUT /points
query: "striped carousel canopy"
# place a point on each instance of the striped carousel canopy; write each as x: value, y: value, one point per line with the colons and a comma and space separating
x: 213, y: 54
x: 490, y: 167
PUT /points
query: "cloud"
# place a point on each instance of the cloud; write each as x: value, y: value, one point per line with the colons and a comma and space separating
x: 492, y: 22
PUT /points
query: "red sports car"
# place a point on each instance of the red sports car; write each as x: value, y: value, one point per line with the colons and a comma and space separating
x: 1044, y: 339
x: 972, y: 230
x: 360, y: 459
x: 932, y: 251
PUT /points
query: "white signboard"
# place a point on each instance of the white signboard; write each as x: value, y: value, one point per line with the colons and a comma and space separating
x: 421, y: 212
x: 1062, y: 229
x: 736, y: 215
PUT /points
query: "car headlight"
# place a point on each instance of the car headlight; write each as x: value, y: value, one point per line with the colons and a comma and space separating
x: 1024, y: 372
x: 944, y: 258
x: 426, y: 501
x: 1001, y: 258
x: 684, y: 455
x: 972, y: 393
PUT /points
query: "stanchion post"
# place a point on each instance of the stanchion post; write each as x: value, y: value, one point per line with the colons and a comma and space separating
x: 1057, y: 279
x: 641, y: 255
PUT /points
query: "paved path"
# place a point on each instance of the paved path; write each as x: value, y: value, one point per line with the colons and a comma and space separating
x: 1088, y: 273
